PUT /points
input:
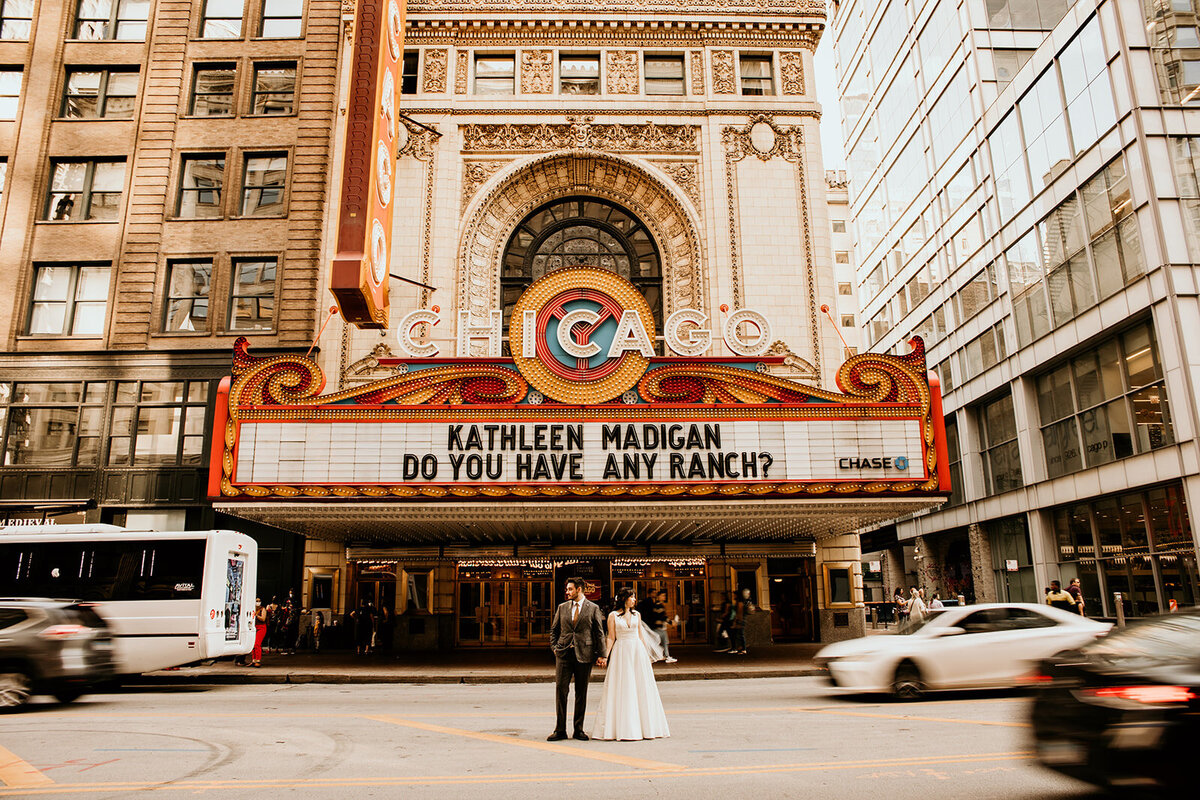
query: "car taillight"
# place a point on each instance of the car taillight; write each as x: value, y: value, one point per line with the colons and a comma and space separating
x: 64, y: 631
x: 1147, y: 695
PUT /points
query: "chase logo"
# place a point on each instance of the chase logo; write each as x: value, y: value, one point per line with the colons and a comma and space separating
x: 851, y: 462
x: 581, y: 335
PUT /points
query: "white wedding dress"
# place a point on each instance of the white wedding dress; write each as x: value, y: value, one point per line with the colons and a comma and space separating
x: 630, y: 707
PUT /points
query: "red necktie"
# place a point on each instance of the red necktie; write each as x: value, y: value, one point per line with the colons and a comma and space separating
x: 574, y: 611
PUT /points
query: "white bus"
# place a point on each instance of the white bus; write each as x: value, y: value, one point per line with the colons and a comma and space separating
x: 170, y: 598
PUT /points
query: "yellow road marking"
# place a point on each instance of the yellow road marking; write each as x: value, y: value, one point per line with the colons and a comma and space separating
x: 598, y: 755
x: 240, y: 785
x: 911, y: 718
x: 17, y: 772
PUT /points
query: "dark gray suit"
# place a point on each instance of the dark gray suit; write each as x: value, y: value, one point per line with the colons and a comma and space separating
x: 576, y: 645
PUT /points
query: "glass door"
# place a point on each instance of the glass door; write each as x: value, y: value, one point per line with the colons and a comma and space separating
x: 517, y: 613
x: 470, y: 612
x: 494, y: 612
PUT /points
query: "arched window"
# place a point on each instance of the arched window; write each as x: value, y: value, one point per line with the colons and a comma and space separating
x: 581, y: 231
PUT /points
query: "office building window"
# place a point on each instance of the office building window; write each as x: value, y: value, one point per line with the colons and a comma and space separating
x: 578, y: 74
x: 123, y: 20
x: 841, y: 257
x: 1023, y: 15
x: 202, y: 178
x: 188, y: 283
x: 69, y: 300
x: 494, y: 75
x: 10, y: 93
x: 1107, y: 403
x: 52, y: 424
x: 282, y: 19
x: 1008, y: 63
x: 264, y: 183
x: 664, y: 75
x: 998, y: 440
x: 847, y: 320
x: 222, y: 19
x: 408, y: 74
x: 16, y: 20
x: 85, y: 190
x: 983, y: 352
x: 158, y: 423
x: 252, y: 301
x: 845, y: 288
x: 100, y: 93
x: 212, y: 90
x: 756, y: 75
x: 274, y: 89
x: 954, y: 461
x: 1185, y: 152
x: 839, y: 226
x: 3, y: 177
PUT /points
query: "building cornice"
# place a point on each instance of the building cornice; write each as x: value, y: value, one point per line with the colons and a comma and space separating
x: 787, y: 31
x: 625, y: 8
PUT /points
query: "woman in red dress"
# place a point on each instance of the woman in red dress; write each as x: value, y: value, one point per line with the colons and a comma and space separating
x: 260, y: 632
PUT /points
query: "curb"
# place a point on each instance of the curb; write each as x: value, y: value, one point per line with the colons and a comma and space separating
x: 241, y: 678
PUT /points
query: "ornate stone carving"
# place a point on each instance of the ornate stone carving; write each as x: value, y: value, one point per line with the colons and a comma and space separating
x: 460, y: 72
x: 793, y: 366
x: 476, y: 174
x: 537, y: 71
x: 686, y: 175
x: 418, y: 142
x: 697, y: 72
x: 764, y: 139
x: 556, y: 175
x: 623, y: 72
x: 723, y: 78
x: 581, y: 133
x: 791, y: 71
x: 435, y: 72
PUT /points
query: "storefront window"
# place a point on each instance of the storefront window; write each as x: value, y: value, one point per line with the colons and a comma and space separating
x: 158, y: 423
x: 1145, y: 551
x: 1012, y: 563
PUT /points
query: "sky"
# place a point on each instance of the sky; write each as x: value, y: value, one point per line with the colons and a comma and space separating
x: 827, y: 96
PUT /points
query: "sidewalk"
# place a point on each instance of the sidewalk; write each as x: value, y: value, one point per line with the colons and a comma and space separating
x: 525, y: 665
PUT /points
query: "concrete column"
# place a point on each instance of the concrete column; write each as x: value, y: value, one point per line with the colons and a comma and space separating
x: 930, y: 572
x: 1043, y: 548
x: 893, y: 570
x: 981, y: 564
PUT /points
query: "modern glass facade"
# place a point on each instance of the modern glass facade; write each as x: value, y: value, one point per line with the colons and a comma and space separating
x: 1025, y: 196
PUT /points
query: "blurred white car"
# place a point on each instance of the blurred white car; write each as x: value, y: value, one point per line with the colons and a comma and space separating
x: 978, y: 646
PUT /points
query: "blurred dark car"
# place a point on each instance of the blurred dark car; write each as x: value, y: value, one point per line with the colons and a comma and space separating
x: 52, y: 647
x: 1124, y: 711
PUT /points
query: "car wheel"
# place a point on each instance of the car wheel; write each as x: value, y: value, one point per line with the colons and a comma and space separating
x: 907, y: 684
x: 14, y: 689
x: 68, y: 694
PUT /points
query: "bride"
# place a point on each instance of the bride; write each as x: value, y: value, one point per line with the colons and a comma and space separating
x: 630, y: 707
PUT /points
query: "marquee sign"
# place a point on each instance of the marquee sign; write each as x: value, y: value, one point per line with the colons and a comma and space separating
x: 362, y: 262
x: 584, y: 408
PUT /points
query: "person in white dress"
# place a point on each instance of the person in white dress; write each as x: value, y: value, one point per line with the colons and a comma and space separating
x: 630, y: 707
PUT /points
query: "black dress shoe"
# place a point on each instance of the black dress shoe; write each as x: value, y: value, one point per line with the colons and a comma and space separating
x: 581, y: 736
x: 557, y: 736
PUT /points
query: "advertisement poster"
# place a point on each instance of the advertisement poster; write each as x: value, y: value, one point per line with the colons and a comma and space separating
x: 234, y: 570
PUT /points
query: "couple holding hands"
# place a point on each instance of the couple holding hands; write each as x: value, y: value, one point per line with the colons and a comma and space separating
x: 580, y: 637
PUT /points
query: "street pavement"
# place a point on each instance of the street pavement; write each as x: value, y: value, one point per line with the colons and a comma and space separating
x: 761, y: 738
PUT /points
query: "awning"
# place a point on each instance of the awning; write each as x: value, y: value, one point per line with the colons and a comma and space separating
x: 577, y: 523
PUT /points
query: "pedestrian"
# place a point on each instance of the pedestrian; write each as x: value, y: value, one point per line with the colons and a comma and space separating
x: 1076, y: 592
x: 260, y: 632
x: 271, y: 642
x: 1057, y: 598
x: 916, y: 606
x: 364, y: 627
x: 291, y: 631
x: 743, y: 609
x: 661, y: 625
x: 318, y: 627
x: 901, y: 606
x: 936, y: 603
x: 724, y: 633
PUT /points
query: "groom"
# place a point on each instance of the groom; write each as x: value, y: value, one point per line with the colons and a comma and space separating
x: 578, y: 640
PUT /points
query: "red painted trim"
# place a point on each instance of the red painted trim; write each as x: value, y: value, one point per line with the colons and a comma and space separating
x: 939, y: 432
x: 216, y: 456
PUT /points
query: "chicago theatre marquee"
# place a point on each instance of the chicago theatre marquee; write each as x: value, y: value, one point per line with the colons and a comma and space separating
x: 607, y: 355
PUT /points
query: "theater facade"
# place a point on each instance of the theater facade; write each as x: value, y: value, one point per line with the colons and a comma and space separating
x: 581, y: 266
